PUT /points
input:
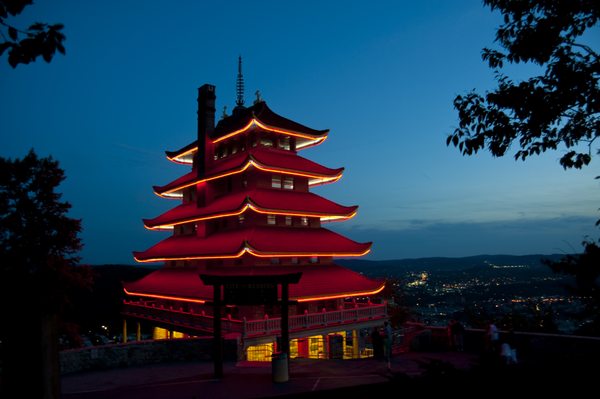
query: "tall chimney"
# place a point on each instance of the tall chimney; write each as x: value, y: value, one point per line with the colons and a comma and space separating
x: 206, y: 124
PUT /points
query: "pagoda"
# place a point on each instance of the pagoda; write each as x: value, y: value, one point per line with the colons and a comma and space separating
x: 246, y: 208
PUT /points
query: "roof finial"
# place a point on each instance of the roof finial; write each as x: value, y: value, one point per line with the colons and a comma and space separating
x: 239, y: 87
x: 224, y: 115
x: 258, y: 97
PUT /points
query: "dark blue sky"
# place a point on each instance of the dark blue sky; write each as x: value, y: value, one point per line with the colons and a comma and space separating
x: 381, y: 76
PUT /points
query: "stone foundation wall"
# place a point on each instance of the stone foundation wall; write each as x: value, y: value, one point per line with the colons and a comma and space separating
x: 141, y: 353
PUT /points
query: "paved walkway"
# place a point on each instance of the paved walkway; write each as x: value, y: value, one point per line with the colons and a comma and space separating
x: 245, y: 380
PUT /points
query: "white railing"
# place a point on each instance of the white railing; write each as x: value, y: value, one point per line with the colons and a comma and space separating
x: 268, y: 326
x: 311, y: 321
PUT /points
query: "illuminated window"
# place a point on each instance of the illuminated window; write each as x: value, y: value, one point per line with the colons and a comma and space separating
x: 234, y: 150
x: 288, y: 220
x: 266, y: 142
x: 241, y: 218
x: 313, y: 259
x: 271, y: 219
x: 274, y: 261
x: 304, y: 221
x: 284, y: 143
x: 276, y: 181
x: 294, y: 261
x: 288, y: 183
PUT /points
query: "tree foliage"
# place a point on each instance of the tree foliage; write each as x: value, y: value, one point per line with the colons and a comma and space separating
x: 38, y: 241
x: 585, y: 268
x: 24, y: 46
x: 38, y: 271
x: 560, y: 107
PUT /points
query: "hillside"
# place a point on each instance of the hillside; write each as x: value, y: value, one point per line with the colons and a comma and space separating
x: 440, y: 264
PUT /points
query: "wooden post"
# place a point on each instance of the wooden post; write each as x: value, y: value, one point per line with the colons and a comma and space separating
x: 218, y: 345
x: 124, y: 340
x: 138, y: 332
x: 285, y: 329
x: 355, y: 354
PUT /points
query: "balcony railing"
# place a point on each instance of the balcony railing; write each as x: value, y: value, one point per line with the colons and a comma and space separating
x: 199, y: 321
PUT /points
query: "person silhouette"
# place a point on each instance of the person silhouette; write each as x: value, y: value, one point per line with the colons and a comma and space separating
x: 377, y: 343
x: 388, y: 340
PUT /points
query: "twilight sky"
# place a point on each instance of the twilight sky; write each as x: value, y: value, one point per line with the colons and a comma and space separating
x: 380, y: 75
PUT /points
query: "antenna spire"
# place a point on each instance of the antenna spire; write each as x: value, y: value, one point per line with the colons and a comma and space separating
x: 239, y: 86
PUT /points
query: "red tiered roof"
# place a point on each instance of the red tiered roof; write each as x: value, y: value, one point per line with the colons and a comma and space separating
x: 260, y: 116
x: 264, y: 241
x: 294, y: 203
x: 271, y: 160
x: 317, y: 282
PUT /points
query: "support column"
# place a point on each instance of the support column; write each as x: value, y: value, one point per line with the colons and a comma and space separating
x: 218, y: 344
x: 325, y: 346
x: 138, y: 331
x: 355, y: 354
x: 285, y: 330
x: 124, y: 340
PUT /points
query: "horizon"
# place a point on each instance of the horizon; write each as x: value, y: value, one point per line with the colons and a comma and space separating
x: 381, y: 77
x: 359, y: 259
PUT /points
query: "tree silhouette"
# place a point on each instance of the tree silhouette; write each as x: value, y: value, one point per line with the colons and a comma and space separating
x: 559, y: 109
x: 38, y: 247
x: 24, y: 46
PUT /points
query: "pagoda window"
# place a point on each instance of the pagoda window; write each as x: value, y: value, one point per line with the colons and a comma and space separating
x: 241, y: 218
x: 294, y: 261
x: 303, y: 221
x: 285, y: 143
x: 313, y: 259
x: 266, y: 142
x: 234, y: 149
x: 188, y: 228
x: 288, y: 183
x: 276, y: 181
x: 274, y: 261
x: 288, y: 220
x: 271, y: 219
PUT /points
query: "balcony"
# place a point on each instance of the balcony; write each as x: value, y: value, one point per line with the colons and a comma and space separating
x: 201, y: 323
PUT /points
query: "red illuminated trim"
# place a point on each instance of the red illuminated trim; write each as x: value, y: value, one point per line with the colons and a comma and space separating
x: 314, y: 179
x: 176, y: 298
x: 239, y: 254
x: 258, y: 254
x: 258, y: 123
x: 179, y: 157
x: 338, y: 296
x: 264, y: 211
x: 312, y: 140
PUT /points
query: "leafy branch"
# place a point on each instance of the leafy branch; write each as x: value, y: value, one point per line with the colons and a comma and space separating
x: 24, y: 46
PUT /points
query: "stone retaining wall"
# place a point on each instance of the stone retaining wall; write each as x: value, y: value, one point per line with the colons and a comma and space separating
x: 141, y: 353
